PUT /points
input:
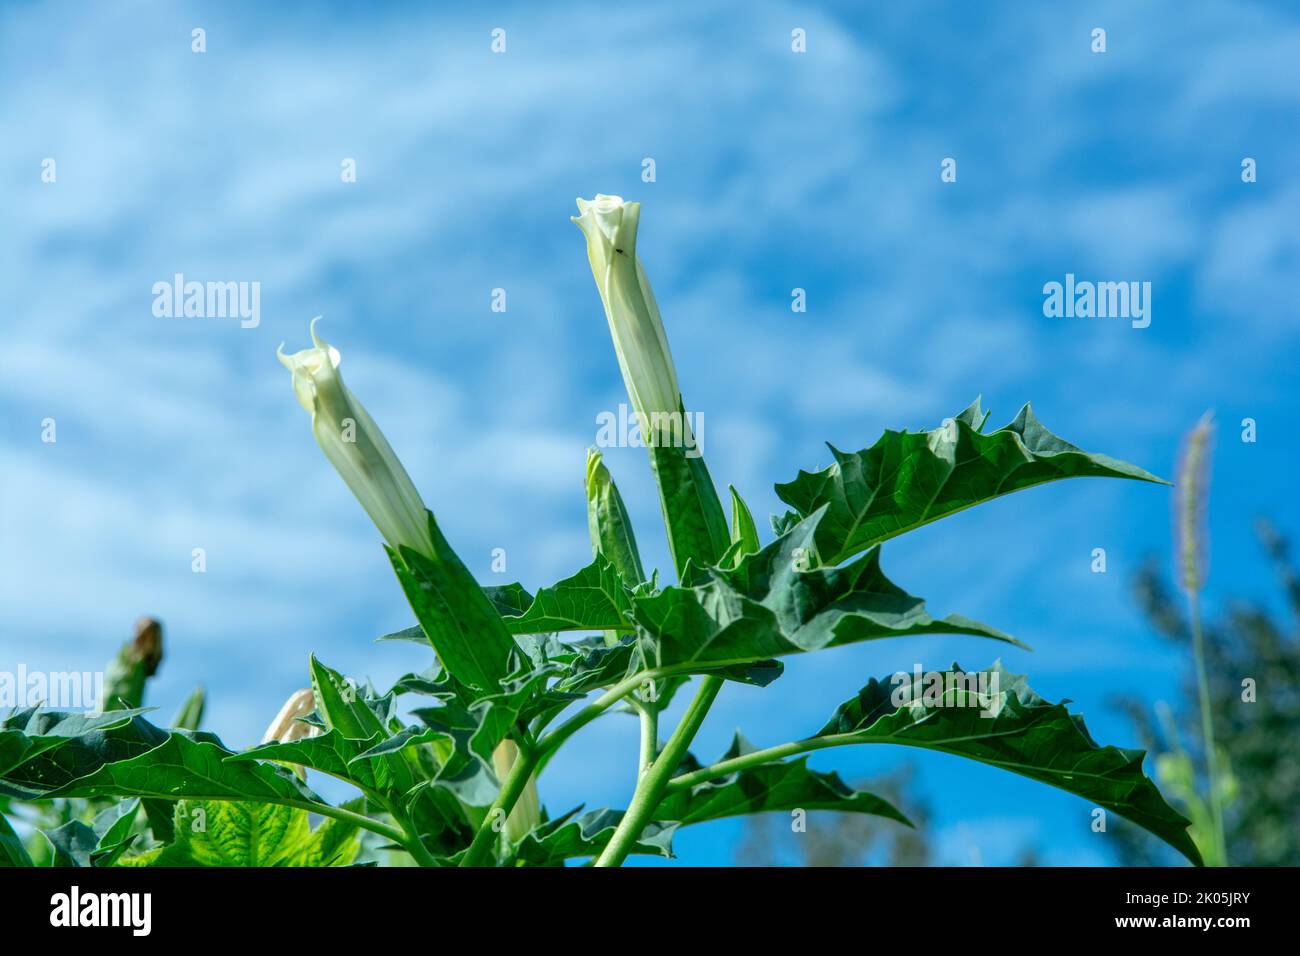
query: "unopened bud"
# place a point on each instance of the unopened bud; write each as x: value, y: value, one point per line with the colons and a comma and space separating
x: 287, y: 726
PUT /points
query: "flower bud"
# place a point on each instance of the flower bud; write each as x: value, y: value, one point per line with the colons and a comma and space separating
x: 697, y: 528
x: 608, y: 521
x: 356, y: 447
x: 135, y: 663
x: 286, y: 727
x: 610, y: 226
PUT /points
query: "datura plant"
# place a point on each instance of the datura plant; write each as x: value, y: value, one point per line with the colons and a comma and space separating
x: 445, y: 763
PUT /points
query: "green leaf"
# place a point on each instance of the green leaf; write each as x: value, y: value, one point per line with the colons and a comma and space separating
x: 462, y: 625
x: 159, y: 813
x: 608, y: 522
x: 28, y: 733
x: 183, y: 765
x: 341, y: 705
x: 71, y: 844
x: 347, y: 709
x: 12, y: 851
x: 115, y: 825
x: 602, y: 665
x: 781, y: 785
x: 594, y: 599
x: 510, y: 600
x: 235, y: 833
x: 697, y: 528
x: 462, y: 735
x: 470, y: 781
x: 191, y: 713
x: 768, y: 607
x: 907, y: 479
x: 743, y: 530
x: 411, y: 635
x: 367, y: 764
x: 1000, y: 721
x: 477, y: 729
x: 573, y: 835
x: 334, y: 842
x: 74, y: 844
x: 330, y: 753
x: 62, y: 747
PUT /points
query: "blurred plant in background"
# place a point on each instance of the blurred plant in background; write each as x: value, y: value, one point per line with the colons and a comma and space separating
x: 841, y: 839
x: 1256, y: 740
x: 75, y: 827
x: 1225, y: 752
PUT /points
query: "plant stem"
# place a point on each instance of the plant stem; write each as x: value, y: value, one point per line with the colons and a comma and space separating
x: 756, y: 757
x: 533, y: 759
x: 349, y: 816
x: 552, y: 742
x: 649, y: 736
x: 411, y: 842
x: 511, y: 788
x: 1207, y: 727
x: 650, y: 788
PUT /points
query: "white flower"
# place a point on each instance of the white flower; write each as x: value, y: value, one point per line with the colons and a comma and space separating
x: 638, y: 332
x: 286, y: 727
x: 356, y: 447
x: 527, y: 811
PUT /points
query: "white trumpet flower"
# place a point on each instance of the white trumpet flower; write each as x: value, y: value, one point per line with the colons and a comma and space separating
x: 356, y: 447
x: 610, y: 225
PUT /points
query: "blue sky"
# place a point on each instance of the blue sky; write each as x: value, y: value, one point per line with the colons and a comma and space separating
x: 774, y: 170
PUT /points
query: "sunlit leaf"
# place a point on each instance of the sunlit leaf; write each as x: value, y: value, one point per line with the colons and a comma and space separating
x: 780, y: 785
x: 774, y: 604
x: 994, y: 717
x: 461, y: 623
x: 907, y: 479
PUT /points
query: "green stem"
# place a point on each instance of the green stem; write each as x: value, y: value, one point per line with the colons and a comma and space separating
x: 552, y: 742
x: 650, y: 788
x: 756, y: 757
x: 649, y: 736
x: 411, y: 841
x: 349, y: 816
x: 1207, y: 727
x: 511, y: 788
x: 535, y: 758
